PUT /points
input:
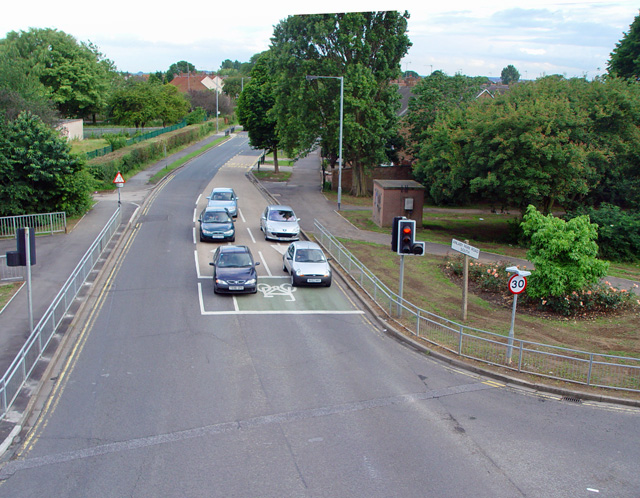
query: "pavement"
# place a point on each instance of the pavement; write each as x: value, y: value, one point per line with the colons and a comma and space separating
x: 59, y: 254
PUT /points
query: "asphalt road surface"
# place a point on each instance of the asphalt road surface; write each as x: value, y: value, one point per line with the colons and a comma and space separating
x: 172, y: 391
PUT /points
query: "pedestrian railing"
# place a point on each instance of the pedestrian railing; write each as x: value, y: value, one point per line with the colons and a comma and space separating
x: 10, y: 273
x: 28, y: 357
x: 44, y: 223
x: 543, y: 360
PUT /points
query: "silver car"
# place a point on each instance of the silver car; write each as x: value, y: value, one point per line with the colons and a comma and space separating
x: 307, y: 264
x: 279, y: 223
x: 226, y: 198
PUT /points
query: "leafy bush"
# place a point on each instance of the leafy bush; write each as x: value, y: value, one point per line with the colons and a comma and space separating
x: 116, y: 140
x: 618, y: 231
x: 196, y: 116
x: 490, y: 277
x: 563, y: 253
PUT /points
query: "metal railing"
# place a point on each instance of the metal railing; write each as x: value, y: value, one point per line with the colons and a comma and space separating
x: 27, y: 358
x: 543, y: 360
x: 44, y: 223
x: 10, y: 273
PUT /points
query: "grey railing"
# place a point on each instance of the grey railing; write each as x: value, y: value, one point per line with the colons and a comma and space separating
x: 543, y: 360
x: 10, y: 273
x: 45, y: 223
x: 27, y: 358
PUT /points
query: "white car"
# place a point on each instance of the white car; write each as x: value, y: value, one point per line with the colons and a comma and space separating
x: 307, y: 264
x: 224, y: 197
x: 279, y: 223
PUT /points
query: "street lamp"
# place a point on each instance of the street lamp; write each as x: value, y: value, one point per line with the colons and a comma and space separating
x: 341, y: 78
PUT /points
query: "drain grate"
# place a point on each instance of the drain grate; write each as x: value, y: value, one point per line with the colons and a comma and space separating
x: 571, y: 399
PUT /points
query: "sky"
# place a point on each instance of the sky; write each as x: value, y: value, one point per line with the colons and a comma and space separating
x: 474, y: 38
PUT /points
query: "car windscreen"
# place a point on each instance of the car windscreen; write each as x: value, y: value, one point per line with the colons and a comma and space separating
x: 221, y: 196
x: 310, y: 256
x: 233, y: 260
x: 216, y: 217
x: 282, y: 215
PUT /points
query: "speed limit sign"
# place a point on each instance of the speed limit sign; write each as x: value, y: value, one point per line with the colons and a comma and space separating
x: 517, y: 284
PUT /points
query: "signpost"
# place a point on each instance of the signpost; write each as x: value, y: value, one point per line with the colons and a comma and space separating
x: 468, y: 251
x: 517, y: 285
x: 119, y: 181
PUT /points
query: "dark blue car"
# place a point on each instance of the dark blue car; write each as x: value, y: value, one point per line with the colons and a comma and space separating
x: 234, y: 270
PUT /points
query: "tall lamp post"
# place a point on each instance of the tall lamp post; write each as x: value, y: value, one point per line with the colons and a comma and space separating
x: 341, y: 78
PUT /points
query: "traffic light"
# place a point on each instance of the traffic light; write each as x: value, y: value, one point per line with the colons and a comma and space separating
x: 407, y: 238
x: 19, y: 257
x: 394, y: 233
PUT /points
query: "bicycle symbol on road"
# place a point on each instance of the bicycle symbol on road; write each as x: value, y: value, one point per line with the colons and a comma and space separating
x: 286, y: 290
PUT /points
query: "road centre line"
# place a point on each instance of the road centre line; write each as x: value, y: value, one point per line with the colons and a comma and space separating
x: 251, y: 235
x: 195, y: 214
x: 241, y: 215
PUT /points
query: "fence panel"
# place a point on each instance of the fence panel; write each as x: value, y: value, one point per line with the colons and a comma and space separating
x: 580, y: 367
x: 42, y: 223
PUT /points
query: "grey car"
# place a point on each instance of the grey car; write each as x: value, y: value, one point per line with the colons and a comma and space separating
x: 226, y: 198
x: 234, y: 270
x: 307, y: 264
x: 279, y: 222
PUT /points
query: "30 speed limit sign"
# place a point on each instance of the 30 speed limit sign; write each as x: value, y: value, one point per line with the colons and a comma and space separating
x: 517, y: 284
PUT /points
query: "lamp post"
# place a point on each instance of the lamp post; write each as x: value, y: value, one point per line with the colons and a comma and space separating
x: 341, y: 78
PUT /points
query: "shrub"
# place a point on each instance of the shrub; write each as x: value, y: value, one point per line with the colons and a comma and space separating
x: 618, y: 232
x: 563, y: 253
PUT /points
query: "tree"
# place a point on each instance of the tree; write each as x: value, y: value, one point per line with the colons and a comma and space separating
x: 140, y: 102
x: 509, y: 75
x: 624, y: 61
x: 436, y: 94
x: 77, y: 76
x: 564, y: 254
x: 364, y: 48
x: 233, y: 85
x: 38, y: 174
x: 255, y: 108
x: 178, y: 68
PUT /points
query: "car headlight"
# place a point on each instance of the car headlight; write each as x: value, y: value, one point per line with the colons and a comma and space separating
x: 220, y: 281
x: 228, y: 233
x: 251, y: 281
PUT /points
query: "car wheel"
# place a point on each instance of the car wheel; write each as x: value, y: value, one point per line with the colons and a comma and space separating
x: 284, y: 268
x: 294, y: 282
x: 232, y: 239
x: 329, y: 283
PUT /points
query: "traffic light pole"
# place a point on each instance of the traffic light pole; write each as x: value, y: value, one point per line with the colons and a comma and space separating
x: 400, y: 287
x: 29, y: 295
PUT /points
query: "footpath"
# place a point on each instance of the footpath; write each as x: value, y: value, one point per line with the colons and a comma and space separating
x: 58, y: 255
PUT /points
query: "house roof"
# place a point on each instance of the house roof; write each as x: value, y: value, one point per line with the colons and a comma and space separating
x: 196, y: 82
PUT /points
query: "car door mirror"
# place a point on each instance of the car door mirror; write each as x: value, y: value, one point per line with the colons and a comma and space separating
x: 257, y: 263
x: 211, y: 263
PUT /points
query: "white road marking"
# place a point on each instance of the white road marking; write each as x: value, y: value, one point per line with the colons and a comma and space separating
x: 195, y: 255
x: 266, y: 266
x: 251, y: 235
x: 280, y: 248
x: 195, y: 214
x: 241, y: 216
x: 194, y: 235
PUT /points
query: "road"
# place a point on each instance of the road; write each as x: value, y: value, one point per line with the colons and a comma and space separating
x: 171, y: 390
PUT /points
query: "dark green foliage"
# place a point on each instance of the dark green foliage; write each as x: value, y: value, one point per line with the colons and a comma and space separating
x: 625, y: 58
x: 618, y: 232
x: 117, y: 141
x: 509, y: 75
x: 196, y: 116
x: 37, y: 172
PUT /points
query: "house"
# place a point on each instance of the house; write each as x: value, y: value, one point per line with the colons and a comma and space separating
x: 197, y: 82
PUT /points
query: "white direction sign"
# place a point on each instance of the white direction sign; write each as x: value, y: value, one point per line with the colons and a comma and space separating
x: 456, y: 245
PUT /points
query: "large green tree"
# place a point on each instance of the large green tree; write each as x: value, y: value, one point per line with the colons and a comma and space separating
x: 365, y: 48
x: 436, y: 94
x: 625, y: 58
x: 139, y: 102
x: 76, y: 75
x: 255, y: 108
x: 551, y: 143
x: 509, y: 75
x: 38, y: 174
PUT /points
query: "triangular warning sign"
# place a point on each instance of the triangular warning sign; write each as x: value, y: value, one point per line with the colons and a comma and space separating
x: 119, y: 178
